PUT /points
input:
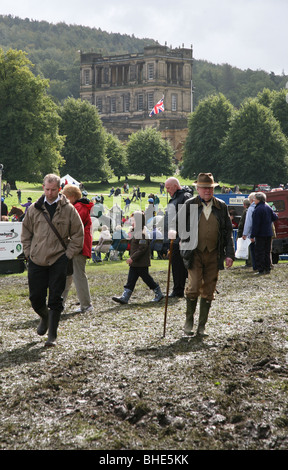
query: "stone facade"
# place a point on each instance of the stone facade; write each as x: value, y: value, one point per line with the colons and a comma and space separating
x: 126, y: 87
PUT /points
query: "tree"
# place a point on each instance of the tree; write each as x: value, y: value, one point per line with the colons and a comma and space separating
x: 84, y: 149
x: 255, y: 149
x: 29, y: 137
x: 276, y: 101
x: 207, y: 128
x: 116, y: 154
x: 149, y: 154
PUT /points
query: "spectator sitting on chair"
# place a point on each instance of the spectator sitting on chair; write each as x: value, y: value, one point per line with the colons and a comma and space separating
x: 155, y: 234
x: 117, y: 192
x: 150, y: 210
x: 112, y: 190
x: 117, y: 236
x: 104, y: 236
x: 97, y: 209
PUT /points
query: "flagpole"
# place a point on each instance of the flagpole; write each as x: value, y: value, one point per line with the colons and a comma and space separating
x: 192, y: 105
x: 191, y: 96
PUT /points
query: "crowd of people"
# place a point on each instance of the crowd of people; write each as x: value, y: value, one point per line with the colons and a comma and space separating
x: 57, y: 255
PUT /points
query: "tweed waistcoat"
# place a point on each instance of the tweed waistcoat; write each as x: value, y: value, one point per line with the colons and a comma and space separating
x: 208, y: 233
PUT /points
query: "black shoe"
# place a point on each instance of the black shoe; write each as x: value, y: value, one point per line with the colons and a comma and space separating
x: 174, y: 294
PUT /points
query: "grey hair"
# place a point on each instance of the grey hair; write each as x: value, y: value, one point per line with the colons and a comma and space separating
x: 246, y: 202
x: 174, y: 181
x: 260, y: 197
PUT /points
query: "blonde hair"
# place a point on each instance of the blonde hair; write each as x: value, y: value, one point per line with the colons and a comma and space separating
x: 71, y: 190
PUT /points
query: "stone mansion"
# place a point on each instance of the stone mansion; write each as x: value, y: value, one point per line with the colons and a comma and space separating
x: 126, y: 87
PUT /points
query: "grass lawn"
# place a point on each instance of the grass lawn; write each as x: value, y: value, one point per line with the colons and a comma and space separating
x: 34, y: 190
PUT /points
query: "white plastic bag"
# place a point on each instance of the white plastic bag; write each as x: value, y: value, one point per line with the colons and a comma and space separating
x: 242, y: 251
x: 114, y: 255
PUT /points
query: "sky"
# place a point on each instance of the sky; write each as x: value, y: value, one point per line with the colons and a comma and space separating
x: 248, y: 34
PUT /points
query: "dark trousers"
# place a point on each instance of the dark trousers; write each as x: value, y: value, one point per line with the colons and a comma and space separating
x: 42, y: 279
x: 252, y: 254
x: 263, y: 253
x: 135, y: 273
x: 179, y: 272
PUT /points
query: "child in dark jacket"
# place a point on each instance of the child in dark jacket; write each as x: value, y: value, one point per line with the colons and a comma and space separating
x: 139, y: 261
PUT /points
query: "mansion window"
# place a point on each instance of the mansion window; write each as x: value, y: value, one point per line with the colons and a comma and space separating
x: 99, y: 105
x: 150, y: 71
x: 150, y: 100
x: 133, y: 73
x: 86, y: 77
x: 140, y: 102
x: 106, y: 75
x: 126, y: 103
x: 174, y: 103
x: 113, y: 104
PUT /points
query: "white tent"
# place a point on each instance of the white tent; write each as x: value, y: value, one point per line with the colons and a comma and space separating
x: 69, y: 179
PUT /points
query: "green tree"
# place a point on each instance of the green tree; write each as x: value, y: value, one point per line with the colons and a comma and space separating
x: 255, y: 149
x: 84, y: 149
x: 149, y: 154
x: 207, y: 128
x: 276, y: 101
x: 29, y: 139
x: 116, y: 154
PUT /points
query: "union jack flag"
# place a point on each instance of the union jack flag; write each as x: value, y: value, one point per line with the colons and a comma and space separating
x: 158, y: 108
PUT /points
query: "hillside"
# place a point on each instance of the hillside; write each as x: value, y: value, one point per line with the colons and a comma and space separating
x: 53, y: 49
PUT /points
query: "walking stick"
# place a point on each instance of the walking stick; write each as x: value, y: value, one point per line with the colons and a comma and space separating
x: 168, y: 282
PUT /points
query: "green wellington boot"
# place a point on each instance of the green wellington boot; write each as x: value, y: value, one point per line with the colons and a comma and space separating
x: 190, y: 310
x: 203, y: 316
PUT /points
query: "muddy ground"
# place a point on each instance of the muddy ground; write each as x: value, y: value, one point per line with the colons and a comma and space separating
x: 114, y: 382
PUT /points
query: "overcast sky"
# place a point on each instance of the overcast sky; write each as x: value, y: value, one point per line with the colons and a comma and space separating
x: 244, y: 33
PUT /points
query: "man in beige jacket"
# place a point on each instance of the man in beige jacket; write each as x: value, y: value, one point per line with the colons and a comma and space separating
x: 47, y: 257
